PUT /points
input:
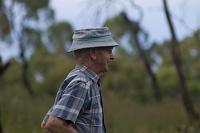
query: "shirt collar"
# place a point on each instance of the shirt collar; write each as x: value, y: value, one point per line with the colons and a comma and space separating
x: 88, y: 71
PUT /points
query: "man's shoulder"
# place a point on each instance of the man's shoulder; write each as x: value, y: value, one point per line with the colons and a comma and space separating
x: 80, y: 75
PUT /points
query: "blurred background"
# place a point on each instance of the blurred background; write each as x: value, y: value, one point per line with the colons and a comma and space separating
x: 153, y: 85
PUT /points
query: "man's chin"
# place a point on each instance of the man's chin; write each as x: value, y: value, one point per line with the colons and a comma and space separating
x: 103, y: 72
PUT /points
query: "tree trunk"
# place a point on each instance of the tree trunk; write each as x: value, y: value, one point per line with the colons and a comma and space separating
x: 156, y: 90
x: 176, y: 56
x: 3, y: 68
x: 25, y: 77
x: 135, y: 30
x: 19, y: 36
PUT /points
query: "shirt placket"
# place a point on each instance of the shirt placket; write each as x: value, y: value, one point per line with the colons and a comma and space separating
x: 101, y: 100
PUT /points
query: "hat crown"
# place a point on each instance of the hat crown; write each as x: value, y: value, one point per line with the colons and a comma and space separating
x: 91, y: 33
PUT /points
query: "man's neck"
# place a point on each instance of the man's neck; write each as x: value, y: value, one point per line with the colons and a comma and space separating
x: 91, y: 66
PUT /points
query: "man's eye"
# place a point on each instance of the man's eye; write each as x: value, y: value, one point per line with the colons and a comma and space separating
x: 109, y: 50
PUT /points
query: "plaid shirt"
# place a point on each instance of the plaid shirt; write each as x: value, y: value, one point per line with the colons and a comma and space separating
x: 79, y: 100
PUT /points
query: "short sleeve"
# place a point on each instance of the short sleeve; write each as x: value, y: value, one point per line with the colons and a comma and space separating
x: 71, y: 102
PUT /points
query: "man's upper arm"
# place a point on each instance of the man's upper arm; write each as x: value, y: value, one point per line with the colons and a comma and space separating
x: 71, y: 102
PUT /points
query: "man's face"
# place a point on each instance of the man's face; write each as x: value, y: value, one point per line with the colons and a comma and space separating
x: 103, y: 57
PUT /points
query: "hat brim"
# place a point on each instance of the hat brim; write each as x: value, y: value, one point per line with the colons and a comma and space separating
x: 76, y: 45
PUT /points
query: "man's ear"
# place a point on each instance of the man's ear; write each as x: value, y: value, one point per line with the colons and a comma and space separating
x: 92, y: 54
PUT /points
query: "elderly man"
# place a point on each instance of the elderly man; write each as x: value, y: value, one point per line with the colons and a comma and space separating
x: 78, y: 106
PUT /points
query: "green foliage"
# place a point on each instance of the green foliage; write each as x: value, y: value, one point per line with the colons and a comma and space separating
x: 56, y: 75
x: 23, y: 114
x: 33, y: 37
x: 167, y: 75
x: 32, y: 6
x: 52, y: 67
x: 118, y: 30
x: 168, y: 80
x: 20, y: 112
x: 59, y: 35
x: 128, y: 76
x: 163, y: 50
x: 12, y: 76
x: 190, y: 53
x: 63, y: 29
x: 30, y: 37
x: 124, y: 115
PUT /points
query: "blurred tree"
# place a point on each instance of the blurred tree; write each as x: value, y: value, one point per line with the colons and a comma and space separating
x: 176, y: 56
x: 60, y: 34
x: 4, y: 22
x: 49, y: 72
x: 166, y: 73
x: 33, y: 26
x: 135, y: 30
x: 3, y: 67
x: 190, y: 54
x: 20, y: 28
x: 128, y: 72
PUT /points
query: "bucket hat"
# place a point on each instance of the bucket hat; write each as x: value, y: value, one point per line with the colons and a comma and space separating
x: 91, y: 38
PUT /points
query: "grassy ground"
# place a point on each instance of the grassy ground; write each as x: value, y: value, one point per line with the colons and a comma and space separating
x: 23, y: 114
x: 126, y: 116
